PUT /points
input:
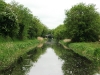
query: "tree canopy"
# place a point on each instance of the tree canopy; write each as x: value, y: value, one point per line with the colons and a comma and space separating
x: 60, y: 32
x: 17, y: 21
x: 82, y: 23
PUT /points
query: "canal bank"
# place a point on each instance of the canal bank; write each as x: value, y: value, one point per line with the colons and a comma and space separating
x: 11, y: 51
x: 90, y: 50
x: 53, y: 59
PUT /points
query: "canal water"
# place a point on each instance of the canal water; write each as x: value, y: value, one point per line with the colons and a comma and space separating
x: 52, y: 59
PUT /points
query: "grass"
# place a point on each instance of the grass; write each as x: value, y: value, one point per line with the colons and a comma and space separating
x: 10, y: 51
x: 90, y: 50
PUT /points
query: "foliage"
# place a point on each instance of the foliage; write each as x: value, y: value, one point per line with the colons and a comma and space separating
x: 36, y: 29
x: 89, y: 50
x: 29, y: 25
x: 33, y: 55
x: 60, y: 32
x: 24, y: 19
x: 8, y: 23
x: 2, y: 5
x: 45, y: 31
x: 18, y: 21
x: 10, y: 51
x: 82, y: 22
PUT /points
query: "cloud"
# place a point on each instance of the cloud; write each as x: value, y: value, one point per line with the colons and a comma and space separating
x: 51, y: 12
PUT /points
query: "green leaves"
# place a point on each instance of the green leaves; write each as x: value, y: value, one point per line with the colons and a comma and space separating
x: 8, y: 23
x: 80, y: 21
x: 2, y: 5
x: 36, y: 29
x: 60, y: 32
x: 17, y: 21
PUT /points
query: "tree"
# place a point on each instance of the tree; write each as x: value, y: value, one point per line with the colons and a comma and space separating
x: 24, y: 19
x: 29, y: 26
x: 82, y: 22
x: 2, y: 5
x: 8, y: 23
x: 36, y: 28
x: 59, y: 32
x: 45, y: 31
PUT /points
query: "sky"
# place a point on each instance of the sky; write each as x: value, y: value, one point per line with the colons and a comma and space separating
x: 52, y: 12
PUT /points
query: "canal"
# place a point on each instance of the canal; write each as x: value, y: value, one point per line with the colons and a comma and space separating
x: 52, y: 59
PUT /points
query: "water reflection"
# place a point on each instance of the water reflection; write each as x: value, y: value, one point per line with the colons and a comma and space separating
x: 25, y: 62
x: 75, y: 64
x: 52, y: 59
x: 48, y: 64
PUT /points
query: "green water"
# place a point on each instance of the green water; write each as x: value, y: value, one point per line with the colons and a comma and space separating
x: 52, y: 59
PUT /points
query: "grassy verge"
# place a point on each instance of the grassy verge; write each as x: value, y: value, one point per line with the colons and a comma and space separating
x: 90, y: 50
x: 10, y: 51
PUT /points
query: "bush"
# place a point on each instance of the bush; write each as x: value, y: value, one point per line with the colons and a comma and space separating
x: 82, y: 23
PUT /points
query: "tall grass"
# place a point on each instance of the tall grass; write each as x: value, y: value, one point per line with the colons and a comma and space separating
x: 90, y: 50
x: 10, y: 51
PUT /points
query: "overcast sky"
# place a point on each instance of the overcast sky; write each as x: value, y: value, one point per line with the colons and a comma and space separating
x: 52, y: 12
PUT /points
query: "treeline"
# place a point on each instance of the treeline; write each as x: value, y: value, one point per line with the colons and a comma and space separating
x: 18, y: 22
x: 81, y: 24
x: 59, y: 32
